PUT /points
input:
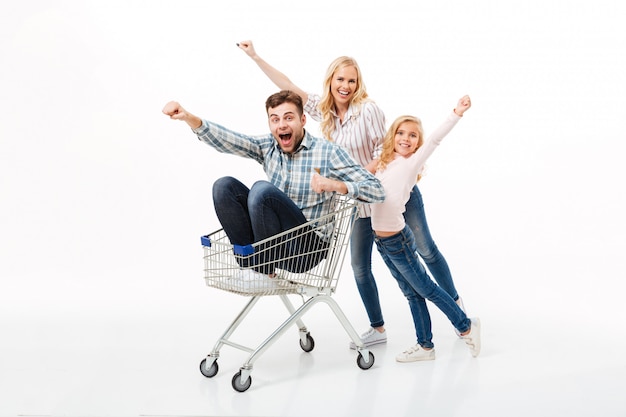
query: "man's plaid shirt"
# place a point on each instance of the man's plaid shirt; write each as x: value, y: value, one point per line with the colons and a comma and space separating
x: 292, y: 173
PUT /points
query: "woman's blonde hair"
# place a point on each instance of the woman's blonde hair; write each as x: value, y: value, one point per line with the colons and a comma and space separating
x: 388, y: 153
x: 327, y: 102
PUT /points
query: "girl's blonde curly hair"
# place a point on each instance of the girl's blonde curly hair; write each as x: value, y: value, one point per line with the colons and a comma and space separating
x: 388, y: 153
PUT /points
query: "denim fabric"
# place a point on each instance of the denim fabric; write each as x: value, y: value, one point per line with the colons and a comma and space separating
x: 361, y: 244
x: 252, y: 215
x: 400, y: 255
x: 415, y: 217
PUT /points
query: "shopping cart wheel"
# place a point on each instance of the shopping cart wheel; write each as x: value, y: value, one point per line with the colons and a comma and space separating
x: 309, y: 345
x: 238, y: 386
x: 211, y: 372
x: 361, y: 361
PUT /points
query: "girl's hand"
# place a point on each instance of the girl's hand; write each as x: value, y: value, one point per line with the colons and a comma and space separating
x: 372, y: 166
x: 463, y: 105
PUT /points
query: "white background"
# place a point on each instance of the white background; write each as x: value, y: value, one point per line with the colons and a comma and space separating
x: 103, y: 198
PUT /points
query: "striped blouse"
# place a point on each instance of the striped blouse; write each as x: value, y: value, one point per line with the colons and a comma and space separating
x: 361, y: 132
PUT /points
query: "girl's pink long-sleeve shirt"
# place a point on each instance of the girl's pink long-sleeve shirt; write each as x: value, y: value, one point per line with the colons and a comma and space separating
x: 399, y: 176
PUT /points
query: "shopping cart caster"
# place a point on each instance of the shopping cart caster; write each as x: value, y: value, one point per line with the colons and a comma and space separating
x: 210, y: 372
x: 360, y: 360
x: 241, y: 387
x: 307, y: 345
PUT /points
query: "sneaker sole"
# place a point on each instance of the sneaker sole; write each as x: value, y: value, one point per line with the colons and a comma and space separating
x: 378, y: 342
x: 407, y: 360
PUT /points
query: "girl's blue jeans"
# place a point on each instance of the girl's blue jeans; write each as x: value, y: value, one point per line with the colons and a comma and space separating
x: 400, y: 255
x: 361, y: 245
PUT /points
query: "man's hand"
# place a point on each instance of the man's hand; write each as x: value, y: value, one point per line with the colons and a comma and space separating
x: 321, y: 184
x: 176, y: 112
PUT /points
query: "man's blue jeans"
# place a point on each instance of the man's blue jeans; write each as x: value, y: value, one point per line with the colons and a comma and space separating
x: 252, y: 215
x: 361, y: 244
x: 400, y: 255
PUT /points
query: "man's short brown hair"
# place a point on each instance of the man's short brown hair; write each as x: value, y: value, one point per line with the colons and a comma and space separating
x: 284, y: 96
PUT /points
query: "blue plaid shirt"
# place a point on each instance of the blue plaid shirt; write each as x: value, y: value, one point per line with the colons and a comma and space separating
x: 292, y: 173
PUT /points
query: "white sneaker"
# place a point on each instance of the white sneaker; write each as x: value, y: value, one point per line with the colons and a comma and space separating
x: 371, y: 337
x: 250, y: 280
x: 416, y: 353
x: 472, y: 339
x: 459, y: 302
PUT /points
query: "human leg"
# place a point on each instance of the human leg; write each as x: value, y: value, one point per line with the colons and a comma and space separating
x: 251, y: 215
x: 361, y: 244
x: 415, y: 217
x: 424, y: 350
x: 400, y: 250
x: 272, y: 212
x: 230, y: 199
x: 394, y: 257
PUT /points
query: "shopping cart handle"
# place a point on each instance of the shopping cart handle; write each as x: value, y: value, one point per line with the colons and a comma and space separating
x: 206, y: 241
x: 243, y: 250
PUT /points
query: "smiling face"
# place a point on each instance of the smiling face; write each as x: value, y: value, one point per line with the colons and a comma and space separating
x: 343, y: 85
x: 287, y: 126
x: 407, y: 138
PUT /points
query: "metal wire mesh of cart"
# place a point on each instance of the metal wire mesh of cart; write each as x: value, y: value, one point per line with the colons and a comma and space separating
x: 300, y: 260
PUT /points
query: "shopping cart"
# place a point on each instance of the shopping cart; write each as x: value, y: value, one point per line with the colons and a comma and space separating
x: 305, y: 260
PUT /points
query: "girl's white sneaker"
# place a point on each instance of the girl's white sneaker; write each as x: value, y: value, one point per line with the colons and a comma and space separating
x: 416, y: 353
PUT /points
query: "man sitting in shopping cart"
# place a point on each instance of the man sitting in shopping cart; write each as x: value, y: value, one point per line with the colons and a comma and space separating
x: 304, y: 173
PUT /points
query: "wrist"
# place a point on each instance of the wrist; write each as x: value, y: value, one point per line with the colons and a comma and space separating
x: 194, y: 122
x: 458, y: 113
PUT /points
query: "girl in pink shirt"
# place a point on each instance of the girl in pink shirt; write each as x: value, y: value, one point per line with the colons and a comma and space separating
x: 400, y: 164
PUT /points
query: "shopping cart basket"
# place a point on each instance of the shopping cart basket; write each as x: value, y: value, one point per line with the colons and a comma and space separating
x: 305, y: 260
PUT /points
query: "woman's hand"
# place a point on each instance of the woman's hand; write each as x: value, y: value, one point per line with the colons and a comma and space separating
x: 248, y: 48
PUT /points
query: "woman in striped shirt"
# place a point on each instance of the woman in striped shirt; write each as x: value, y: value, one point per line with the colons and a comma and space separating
x: 350, y: 118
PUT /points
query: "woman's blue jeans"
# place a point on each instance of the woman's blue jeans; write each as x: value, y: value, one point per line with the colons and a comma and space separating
x: 400, y: 255
x: 252, y: 215
x: 361, y: 244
